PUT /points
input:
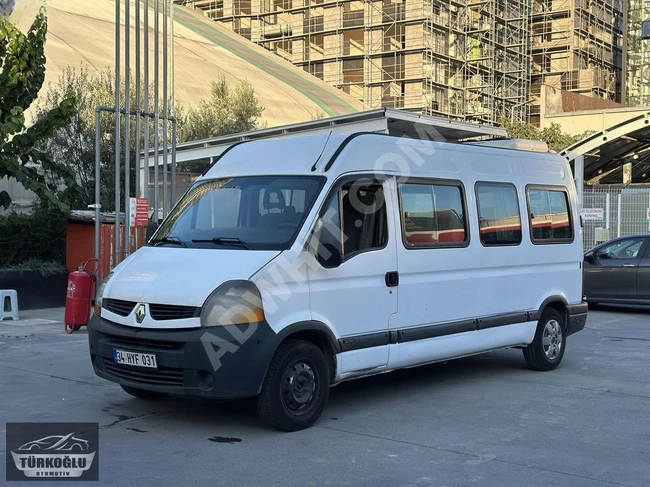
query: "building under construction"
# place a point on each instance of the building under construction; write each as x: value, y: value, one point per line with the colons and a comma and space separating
x: 463, y: 59
x: 577, y: 46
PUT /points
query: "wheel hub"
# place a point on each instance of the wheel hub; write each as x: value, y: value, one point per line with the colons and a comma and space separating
x: 299, y: 385
x: 552, y: 339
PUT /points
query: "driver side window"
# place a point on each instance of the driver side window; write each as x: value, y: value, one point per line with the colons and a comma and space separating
x: 624, y: 249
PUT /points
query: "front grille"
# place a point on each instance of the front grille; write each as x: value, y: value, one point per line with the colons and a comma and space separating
x: 118, y: 306
x: 163, y: 312
x: 141, y: 375
x: 140, y: 343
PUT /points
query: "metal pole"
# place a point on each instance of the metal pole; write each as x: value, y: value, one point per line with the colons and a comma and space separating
x: 146, y: 101
x: 117, y: 133
x: 579, y: 175
x: 173, y: 201
x: 97, y: 183
x: 623, y: 59
x: 173, y: 107
x: 173, y: 60
x: 156, y: 109
x: 618, y: 223
x: 127, y: 128
x: 607, y: 210
x: 165, y: 108
x: 138, y: 102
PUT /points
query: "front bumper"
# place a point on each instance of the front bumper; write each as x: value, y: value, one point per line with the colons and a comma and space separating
x: 577, y: 315
x: 207, y: 362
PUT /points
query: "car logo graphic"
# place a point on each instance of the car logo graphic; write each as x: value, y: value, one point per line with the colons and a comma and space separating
x: 140, y: 313
x: 57, y: 442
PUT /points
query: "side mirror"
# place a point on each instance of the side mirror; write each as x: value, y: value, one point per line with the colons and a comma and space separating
x: 589, y: 257
x: 329, y: 256
x: 151, y: 229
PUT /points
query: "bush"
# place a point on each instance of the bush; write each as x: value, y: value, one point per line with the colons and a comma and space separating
x: 45, y: 269
x: 38, y: 236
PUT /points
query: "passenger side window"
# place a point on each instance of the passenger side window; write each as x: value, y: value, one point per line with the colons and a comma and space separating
x: 548, y: 211
x: 623, y: 249
x: 498, y: 212
x: 355, y: 218
x: 433, y: 215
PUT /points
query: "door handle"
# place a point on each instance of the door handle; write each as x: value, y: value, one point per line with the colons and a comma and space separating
x: 628, y: 265
x: 392, y: 279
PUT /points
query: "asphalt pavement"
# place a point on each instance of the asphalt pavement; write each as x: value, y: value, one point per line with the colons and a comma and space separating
x: 484, y: 421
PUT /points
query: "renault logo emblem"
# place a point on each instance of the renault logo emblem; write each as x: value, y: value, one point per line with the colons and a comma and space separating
x: 140, y: 313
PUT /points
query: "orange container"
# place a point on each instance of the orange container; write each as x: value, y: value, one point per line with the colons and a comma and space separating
x: 80, y: 244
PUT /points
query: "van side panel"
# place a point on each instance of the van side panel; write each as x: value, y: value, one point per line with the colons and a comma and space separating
x: 443, y: 285
x: 439, y: 285
x: 459, y: 345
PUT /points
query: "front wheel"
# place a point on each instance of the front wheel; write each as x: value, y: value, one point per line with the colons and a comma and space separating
x: 296, y: 386
x: 547, y: 349
x: 141, y: 393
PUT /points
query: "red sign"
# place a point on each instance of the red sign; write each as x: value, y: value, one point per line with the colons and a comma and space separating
x: 139, y: 212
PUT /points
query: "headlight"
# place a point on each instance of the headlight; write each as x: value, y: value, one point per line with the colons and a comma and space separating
x: 100, y: 294
x: 233, y: 303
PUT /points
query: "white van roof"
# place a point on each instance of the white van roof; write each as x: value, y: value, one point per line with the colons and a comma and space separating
x: 316, y: 154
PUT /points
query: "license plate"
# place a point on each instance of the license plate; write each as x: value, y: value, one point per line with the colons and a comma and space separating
x: 135, y: 359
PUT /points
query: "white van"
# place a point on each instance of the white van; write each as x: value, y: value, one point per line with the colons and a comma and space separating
x: 294, y: 264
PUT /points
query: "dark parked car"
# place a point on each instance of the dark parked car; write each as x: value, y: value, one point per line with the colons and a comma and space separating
x: 618, y: 271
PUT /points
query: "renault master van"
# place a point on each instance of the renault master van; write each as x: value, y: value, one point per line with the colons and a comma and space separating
x: 297, y: 263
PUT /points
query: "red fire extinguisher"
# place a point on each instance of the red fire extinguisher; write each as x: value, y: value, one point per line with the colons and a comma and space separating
x: 80, y: 296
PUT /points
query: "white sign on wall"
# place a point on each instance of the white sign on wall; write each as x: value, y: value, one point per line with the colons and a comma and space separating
x: 593, y: 213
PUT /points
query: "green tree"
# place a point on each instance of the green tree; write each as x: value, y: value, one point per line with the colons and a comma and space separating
x: 552, y: 135
x: 22, y: 65
x: 73, y: 145
x: 229, y: 111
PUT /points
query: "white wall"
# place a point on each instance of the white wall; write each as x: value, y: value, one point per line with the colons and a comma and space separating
x: 22, y: 198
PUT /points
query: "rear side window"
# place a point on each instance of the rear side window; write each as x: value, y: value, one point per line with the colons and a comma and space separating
x: 548, y: 210
x: 433, y: 215
x: 498, y: 212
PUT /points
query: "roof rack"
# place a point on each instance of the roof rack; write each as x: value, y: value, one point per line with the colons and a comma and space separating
x: 515, y: 144
x: 397, y: 123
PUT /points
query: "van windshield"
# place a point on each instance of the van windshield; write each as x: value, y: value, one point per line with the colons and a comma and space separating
x: 255, y: 213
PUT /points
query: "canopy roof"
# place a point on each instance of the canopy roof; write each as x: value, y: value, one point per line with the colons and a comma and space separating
x: 606, y: 152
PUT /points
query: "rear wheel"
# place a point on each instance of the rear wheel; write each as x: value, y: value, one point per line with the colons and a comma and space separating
x: 296, y: 387
x: 547, y: 349
x: 141, y: 393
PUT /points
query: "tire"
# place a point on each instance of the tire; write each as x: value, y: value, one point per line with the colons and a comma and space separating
x: 543, y: 353
x: 296, y: 387
x: 141, y: 393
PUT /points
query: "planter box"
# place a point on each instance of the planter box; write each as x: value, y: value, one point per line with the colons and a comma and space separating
x: 34, y: 290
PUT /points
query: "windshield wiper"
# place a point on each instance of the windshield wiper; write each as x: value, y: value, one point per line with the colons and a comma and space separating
x: 225, y: 241
x: 169, y: 240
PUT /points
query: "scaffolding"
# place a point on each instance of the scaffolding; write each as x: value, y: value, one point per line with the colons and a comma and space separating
x: 460, y: 59
x: 638, y: 54
x: 576, y: 46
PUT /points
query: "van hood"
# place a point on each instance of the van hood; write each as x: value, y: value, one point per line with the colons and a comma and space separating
x: 185, y: 277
